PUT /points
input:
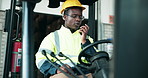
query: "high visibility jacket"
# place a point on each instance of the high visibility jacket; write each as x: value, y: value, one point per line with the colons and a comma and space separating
x: 60, y: 41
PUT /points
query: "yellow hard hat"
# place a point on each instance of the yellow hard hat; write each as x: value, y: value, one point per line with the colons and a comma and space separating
x: 71, y: 3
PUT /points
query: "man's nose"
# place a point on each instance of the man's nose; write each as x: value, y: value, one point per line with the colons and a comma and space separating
x: 78, y: 18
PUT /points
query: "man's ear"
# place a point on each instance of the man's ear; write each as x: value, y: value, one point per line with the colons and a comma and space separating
x: 64, y: 17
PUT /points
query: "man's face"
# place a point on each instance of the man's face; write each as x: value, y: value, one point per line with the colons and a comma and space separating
x: 73, y: 19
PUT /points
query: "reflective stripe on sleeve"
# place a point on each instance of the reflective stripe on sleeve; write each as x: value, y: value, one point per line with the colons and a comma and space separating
x: 39, y: 63
x: 57, y: 41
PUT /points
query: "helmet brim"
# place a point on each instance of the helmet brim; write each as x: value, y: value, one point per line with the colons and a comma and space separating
x: 83, y: 8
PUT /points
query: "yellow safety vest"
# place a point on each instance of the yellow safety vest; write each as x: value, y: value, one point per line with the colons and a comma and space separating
x: 61, y: 41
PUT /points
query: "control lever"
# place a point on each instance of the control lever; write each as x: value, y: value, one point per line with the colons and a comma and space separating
x: 62, y: 55
x: 44, y: 53
x: 53, y: 55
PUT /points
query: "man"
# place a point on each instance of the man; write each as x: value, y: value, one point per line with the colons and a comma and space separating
x: 69, y: 39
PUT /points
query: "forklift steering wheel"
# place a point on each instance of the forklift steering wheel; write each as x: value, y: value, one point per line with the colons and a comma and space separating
x: 83, y: 54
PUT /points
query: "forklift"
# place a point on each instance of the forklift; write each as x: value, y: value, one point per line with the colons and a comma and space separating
x: 130, y: 42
